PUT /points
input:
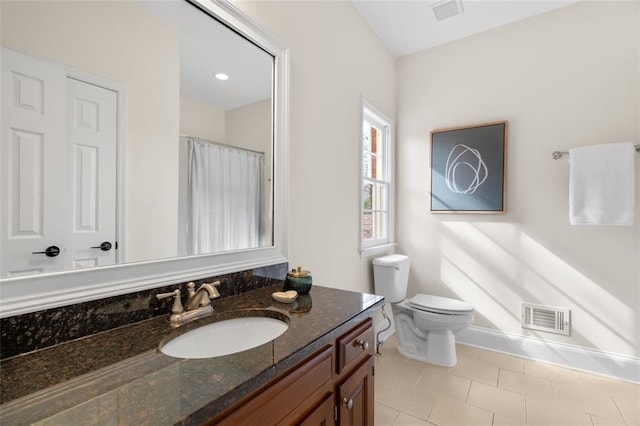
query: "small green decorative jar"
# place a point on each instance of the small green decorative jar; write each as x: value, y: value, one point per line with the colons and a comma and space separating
x: 298, y: 280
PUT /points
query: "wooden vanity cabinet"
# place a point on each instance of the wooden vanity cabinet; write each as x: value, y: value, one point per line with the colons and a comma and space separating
x: 293, y: 393
x: 333, y: 386
x: 355, y: 369
x: 356, y: 397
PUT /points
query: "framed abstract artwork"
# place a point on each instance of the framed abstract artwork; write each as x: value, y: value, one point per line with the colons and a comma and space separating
x: 468, y: 169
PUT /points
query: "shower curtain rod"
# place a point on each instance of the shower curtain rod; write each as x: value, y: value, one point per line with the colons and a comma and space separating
x: 559, y: 154
x: 221, y: 144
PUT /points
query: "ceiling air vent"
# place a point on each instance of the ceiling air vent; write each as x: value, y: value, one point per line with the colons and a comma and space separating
x: 447, y: 8
x: 545, y: 318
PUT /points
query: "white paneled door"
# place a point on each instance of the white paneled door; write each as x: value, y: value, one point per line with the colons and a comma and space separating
x: 57, y: 171
x: 33, y: 152
x: 91, y: 154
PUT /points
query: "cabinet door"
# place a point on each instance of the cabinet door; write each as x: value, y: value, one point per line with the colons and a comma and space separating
x: 355, y: 396
x: 322, y: 415
x: 290, y: 394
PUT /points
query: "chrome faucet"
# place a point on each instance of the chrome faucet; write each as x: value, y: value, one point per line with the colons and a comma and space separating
x: 198, y: 303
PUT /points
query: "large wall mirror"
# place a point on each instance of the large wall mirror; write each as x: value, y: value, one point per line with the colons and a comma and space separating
x: 143, y: 143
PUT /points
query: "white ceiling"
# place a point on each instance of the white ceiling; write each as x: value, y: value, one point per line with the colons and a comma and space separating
x: 404, y: 26
x: 407, y: 27
x: 208, y: 47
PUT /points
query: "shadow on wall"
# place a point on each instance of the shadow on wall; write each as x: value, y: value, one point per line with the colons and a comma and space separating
x: 477, y: 267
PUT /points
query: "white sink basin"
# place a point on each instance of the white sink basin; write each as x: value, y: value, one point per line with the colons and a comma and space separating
x: 224, y: 337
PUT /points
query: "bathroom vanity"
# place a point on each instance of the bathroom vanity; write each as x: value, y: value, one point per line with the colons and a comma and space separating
x: 333, y: 385
x: 63, y: 363
x: 321, y: 368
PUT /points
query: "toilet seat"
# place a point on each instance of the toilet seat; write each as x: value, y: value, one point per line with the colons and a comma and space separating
x: 439, y: 305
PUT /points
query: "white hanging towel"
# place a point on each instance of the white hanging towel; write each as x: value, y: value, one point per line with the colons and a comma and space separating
x: 601, y: 184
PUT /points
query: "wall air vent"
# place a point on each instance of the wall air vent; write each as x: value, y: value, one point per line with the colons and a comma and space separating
x: 447, y: 8
x: 545, y: 318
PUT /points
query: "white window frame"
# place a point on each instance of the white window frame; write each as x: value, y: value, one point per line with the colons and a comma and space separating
x: 372, y: 114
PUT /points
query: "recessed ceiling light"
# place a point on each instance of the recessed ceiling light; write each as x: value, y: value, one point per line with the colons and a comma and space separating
x: 221, y: 76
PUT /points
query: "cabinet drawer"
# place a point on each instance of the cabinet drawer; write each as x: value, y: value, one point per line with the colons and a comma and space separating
x: 354, y: 345
x: 272, y: 404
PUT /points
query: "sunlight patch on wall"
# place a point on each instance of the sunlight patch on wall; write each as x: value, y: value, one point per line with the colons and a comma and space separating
x: 478, y: 270
x: 570, y: 282
x: 496, y: 266
x: 456, y: 276
x: 596, y: 312
x: 478, y: 243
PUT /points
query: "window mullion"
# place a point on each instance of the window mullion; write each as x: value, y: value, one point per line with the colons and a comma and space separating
x: 381, y: 182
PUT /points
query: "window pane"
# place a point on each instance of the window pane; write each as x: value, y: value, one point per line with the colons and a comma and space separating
x: 375, y: 170
x: 366, y: 136
x: 379, y: 198
x: 377, y: 145
x: 366, y: 164
x: 380, y: 225
x: 374, y: 226
x: 367, y: 226
x: 367, y: 192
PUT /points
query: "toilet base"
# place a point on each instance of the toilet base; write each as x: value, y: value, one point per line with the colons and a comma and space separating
x: 428, y: 337
x: 438, y: 349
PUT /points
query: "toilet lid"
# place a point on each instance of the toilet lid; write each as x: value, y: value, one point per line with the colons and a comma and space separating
x: 439, y: 304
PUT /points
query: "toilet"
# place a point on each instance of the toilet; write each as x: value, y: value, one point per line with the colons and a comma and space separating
x: 425, y: 324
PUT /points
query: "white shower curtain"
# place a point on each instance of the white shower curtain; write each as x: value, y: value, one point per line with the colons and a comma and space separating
x: 224, y: 198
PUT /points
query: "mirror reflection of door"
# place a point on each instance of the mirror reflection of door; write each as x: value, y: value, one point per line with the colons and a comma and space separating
x: 91, y: 152
x: 59, y: 156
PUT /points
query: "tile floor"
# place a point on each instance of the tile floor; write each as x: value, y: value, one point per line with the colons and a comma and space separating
x: 491, y: 388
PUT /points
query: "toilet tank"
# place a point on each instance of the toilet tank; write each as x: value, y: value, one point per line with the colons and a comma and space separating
x: 391, y: 277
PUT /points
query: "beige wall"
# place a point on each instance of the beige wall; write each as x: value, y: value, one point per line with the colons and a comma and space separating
x: 335, y: 59
x: 202, y: 121
x: 143, y: 55
x: 564, y: 79
x: 250, y: 126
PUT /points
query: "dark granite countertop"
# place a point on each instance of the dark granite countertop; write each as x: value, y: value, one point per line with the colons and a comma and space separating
x: 120, y: 376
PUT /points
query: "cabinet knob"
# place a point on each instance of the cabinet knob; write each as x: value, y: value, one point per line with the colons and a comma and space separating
x: 348, y: 403
x: 362, y: 344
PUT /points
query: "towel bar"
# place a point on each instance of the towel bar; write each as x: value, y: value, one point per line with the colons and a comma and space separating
x: 559, y: 154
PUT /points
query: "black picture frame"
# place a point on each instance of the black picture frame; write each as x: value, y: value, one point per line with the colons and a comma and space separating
x: 468, y: 169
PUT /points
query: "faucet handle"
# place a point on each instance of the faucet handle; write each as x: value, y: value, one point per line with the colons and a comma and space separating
x: 191, y: 289
x: 177, y: 303
x: 165, y: 295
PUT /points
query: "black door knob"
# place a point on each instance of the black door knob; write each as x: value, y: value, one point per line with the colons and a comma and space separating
x: 105, y: 246
x: 51, y: 251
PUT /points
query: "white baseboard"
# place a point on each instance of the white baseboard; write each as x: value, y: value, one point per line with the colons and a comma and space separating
x: 575, y: 357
